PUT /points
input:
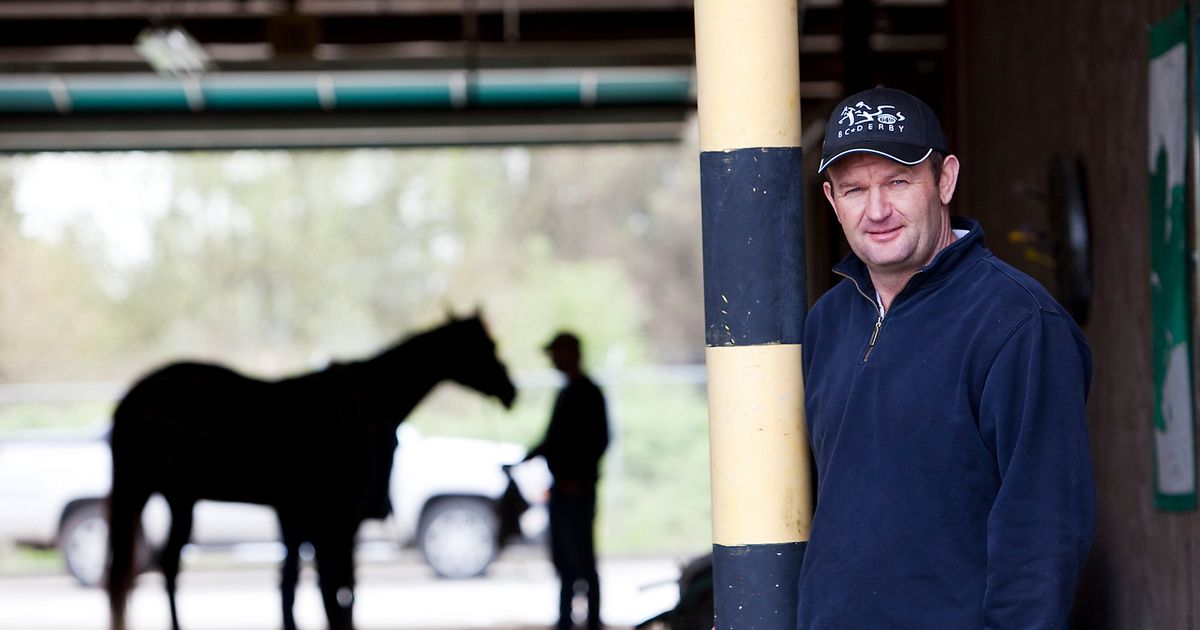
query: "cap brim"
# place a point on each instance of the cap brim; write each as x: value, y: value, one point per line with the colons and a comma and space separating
x: 903, y: 153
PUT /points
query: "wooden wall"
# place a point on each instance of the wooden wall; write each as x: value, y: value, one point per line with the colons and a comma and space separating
x: 1040, y: 78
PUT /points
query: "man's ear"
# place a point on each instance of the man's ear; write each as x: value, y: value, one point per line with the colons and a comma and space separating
x: 949, y: 180
x: 828, y: 188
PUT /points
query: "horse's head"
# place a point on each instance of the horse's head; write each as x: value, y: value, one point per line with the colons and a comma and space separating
x: 474, y: 362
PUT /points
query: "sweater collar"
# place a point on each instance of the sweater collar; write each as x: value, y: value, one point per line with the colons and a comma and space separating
x: 966, y: 248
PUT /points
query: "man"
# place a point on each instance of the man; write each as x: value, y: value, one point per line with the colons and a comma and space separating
x: 574, y: 442
x: 945, y: 397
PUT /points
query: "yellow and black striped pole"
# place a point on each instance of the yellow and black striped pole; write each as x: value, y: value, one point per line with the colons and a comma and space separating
x: 747, y: 59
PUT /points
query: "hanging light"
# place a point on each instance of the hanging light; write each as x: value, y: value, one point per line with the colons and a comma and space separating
x: 172, y: 50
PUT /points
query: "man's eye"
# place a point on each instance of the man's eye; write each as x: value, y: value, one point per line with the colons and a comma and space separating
x: 850, y: 191
x: 899, y: 182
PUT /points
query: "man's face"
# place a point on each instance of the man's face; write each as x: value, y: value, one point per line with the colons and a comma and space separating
x: 564, y: 356
x: 894, y: 215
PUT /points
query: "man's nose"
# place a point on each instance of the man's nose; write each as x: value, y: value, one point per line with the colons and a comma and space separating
x: 879, y: 207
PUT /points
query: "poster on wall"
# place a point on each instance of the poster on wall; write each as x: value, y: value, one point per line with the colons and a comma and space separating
x: 1170, y: 301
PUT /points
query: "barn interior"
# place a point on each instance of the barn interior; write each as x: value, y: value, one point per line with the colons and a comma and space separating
x: 1022, y: 88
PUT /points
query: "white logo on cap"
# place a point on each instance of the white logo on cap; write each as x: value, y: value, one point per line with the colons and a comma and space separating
x: 860, y: 112
x: 860, y: 116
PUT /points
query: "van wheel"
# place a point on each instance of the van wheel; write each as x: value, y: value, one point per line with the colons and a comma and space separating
x: 83, y: 542
x: 458, y: 537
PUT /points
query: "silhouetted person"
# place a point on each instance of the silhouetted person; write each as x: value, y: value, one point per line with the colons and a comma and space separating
x: 574, y: 442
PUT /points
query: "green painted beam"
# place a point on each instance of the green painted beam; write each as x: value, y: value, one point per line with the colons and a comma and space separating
x: 127, y: 93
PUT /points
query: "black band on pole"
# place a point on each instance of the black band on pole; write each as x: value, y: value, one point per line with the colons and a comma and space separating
x: 753, y: 235
x: 755, y: 585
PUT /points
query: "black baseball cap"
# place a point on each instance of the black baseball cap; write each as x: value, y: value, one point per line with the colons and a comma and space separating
x: 884, y: 121
x: 563, y: 338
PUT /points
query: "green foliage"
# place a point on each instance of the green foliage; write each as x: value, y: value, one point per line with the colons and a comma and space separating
x: 655, y: 491
x: 592, y: 298
x: 24, y: 561
x: 82, y: 416
x: 54, y: 317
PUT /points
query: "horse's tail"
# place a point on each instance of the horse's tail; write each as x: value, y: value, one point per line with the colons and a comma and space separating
x: 125, y: 502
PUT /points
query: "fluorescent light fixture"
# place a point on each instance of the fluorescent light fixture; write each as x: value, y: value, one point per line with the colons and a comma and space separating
x: 172, y: 50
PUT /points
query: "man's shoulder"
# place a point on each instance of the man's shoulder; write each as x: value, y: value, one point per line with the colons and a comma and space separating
x: 584, y: 385
x: 1003, y: 283
x: 837, y: 296
x: 1013, y: 297
x: 833, y: 308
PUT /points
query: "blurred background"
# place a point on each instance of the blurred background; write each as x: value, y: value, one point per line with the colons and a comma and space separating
x: 277, y: 263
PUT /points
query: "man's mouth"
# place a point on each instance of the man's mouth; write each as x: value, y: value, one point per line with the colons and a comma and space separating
x: 883, y: 234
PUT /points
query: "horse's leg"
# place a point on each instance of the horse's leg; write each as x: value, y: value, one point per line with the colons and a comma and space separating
x: 289, y: 574
x: 181, y: 530
x: 124, y: 516
x: 335, y: 574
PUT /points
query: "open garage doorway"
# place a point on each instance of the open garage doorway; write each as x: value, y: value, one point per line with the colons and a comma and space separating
x: 280, y: 262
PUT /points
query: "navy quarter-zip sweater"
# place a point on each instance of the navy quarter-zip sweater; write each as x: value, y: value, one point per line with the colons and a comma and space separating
x: 955, y: 484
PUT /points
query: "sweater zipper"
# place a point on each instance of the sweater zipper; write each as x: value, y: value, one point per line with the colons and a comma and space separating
x: 874, y: 337
x: 878, y: 319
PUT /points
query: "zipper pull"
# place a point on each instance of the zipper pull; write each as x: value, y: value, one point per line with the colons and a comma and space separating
x: 874, y: 337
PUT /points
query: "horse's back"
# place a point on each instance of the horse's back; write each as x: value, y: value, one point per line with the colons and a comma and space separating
x: 194, y: 423
x: 189, y: 396
x: 188, y: 378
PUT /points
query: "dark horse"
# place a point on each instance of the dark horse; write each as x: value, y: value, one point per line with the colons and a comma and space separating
x: 317, y: 448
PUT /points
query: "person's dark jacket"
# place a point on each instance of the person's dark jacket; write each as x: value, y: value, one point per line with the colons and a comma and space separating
x: 576, y: 436
x: 955, y: 483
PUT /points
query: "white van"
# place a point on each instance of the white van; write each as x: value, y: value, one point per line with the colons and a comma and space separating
x: 444, y: 493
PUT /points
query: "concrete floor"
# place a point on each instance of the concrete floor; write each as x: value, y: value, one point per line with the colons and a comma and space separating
x: 518, y: 593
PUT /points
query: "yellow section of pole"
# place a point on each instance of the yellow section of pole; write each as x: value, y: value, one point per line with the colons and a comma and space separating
x: 748, y: 73
x: 761, y: 478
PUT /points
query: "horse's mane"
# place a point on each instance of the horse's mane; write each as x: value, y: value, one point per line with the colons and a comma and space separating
x: 400, y: 375
x: 431, y: 343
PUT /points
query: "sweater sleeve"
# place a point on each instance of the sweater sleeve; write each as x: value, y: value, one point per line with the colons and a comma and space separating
x: 1033, y: 417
